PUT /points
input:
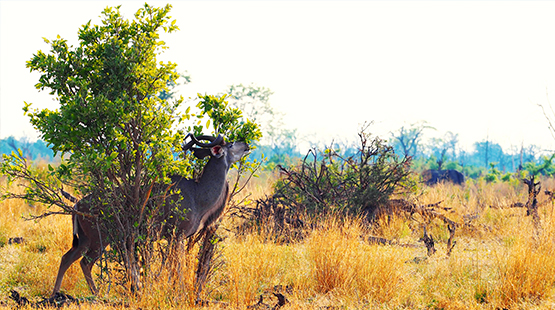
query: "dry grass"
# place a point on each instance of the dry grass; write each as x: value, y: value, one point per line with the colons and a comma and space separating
x: 32, y: 265
x: 499, y: 261
x: 341, y: 265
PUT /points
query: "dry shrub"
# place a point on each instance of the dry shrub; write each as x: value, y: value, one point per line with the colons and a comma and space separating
x: 343, y: 265
x: 355, y: 183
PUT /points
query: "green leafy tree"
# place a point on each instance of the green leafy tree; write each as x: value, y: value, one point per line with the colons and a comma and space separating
x: 546, y: 167
x: 116, y: 129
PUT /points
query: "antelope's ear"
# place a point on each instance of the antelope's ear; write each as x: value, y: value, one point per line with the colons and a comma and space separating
x: 217, y: 151
x: 201, y: 153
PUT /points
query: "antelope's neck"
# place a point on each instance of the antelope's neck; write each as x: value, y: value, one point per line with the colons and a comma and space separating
x: 212, y: 182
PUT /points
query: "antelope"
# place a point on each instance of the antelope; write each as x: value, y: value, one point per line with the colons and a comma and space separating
x: 202, y: 201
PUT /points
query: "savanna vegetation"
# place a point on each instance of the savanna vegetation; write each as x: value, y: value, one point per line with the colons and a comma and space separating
x: 500, y: 260
x: 340, y: 227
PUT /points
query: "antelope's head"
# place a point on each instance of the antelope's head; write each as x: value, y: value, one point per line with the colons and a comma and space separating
x: 217, y: 148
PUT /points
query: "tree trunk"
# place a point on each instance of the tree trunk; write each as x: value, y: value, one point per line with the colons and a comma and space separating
x: 532, y: 204
x: 132, y: 267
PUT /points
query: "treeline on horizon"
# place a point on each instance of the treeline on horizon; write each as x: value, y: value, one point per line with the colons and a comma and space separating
x: 486, y: 159
x: 279, y: 145
x: 35, y: 150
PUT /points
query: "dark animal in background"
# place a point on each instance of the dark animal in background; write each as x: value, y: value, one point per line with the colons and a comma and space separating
x: 432, y: 177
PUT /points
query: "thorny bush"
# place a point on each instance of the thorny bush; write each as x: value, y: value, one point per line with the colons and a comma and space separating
x: 330, y: 182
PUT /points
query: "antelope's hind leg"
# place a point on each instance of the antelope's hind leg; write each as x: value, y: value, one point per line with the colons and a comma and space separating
x: 88, y: 261
x: 77, y: 249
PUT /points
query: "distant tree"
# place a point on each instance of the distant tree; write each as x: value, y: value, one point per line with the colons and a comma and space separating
x: 22, y: 145
x: 253, y: 100
x: 493, y: 174
x: 278, y: 143
x: 29, y: 150
x: 544, y: 167
x: 487, y: 152
x: 451, y: 140
x: 530, y: 153
x: 482, y: 152
x: 406, y: 140
x: 440, y: 147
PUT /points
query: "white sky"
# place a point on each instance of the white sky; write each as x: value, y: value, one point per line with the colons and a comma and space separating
x: 475, y: 68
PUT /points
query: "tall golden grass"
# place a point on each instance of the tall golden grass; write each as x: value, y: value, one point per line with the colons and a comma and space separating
x: 499, y: 261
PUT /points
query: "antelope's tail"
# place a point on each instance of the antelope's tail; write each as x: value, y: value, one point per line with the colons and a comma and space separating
x: 75, y: 229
